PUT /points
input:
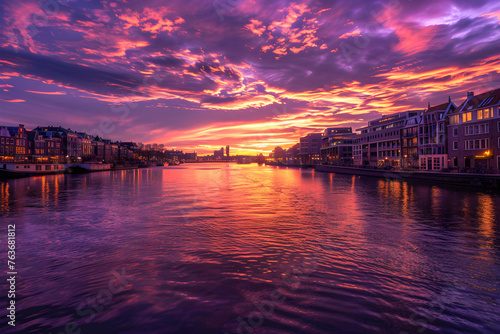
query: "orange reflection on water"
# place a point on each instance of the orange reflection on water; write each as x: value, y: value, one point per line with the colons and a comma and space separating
x: 4, y: 196
x: 486, y: 216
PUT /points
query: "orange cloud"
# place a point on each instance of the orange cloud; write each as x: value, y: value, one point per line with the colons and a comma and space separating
x: 13, y: 100
x: 256, y: 27
x: 152, y: 20
x: 46, y: 93
x: 351, y: 34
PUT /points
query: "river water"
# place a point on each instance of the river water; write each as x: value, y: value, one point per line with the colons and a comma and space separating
x: 227, y: 248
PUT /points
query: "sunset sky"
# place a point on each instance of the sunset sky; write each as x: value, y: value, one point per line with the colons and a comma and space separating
x: 198, y: 75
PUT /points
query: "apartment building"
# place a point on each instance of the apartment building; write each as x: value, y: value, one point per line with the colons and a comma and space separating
x: 473, y: 133
x: 379, y: 143
x: 336, y: 146
x: 432, y: 136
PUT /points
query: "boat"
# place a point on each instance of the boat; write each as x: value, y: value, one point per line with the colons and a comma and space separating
x: 77, y: 170
x: 15, y: 170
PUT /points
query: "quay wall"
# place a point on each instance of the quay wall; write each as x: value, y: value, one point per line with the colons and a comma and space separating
x: 462, y: 179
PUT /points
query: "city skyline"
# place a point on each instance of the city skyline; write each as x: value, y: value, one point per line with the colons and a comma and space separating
x: 254, y: 75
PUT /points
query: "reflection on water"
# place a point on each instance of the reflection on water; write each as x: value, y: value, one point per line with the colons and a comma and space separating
x: 225, y: 248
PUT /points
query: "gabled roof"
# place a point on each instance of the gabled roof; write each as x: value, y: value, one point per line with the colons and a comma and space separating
x: 445, y: 109
x: 58, y: 129
x: 4, y: 132
x: 32, y: 135
x: 13, y: 130
x: 439, y: 107
x: 483, y: 100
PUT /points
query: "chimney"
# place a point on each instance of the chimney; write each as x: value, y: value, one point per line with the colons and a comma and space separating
x: 470, y: 95
x: 449, y: 99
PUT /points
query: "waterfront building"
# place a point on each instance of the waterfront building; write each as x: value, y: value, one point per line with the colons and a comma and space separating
x: 191, y: 156
x: 473, y: 133
x: 409, y: 143
x: 7, y: 145
x: 432, y: 137
x: 227, y: 151
x: 46, y: 147
x: 310, y: 149
x: 22, y: 148
x: 87, y: 147
x: 71, y: 147
x: 107, y: 157
x: 98, y: 147
x: 219, y: 154
x: 336, y: 146
x: 379, y: 143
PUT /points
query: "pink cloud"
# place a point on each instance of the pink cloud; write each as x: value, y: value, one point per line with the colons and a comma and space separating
x: 13, y: 100
x: 350, y: 34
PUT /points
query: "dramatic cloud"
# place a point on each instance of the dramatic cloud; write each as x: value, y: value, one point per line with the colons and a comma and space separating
x: 251, y: 74
x: 46, y: 93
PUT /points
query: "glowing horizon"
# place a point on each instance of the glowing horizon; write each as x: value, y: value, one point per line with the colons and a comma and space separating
x: 249, y: 74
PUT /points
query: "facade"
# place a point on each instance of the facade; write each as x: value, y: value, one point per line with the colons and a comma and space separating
x: 409, y: 143
x: 310, y: 148
x: 71, y: 147
x: 336, y: 146
x: 7, y: 145
x: 46, y: 147
x: 22, y: 148
x: 87, y: 148
x: 379, y: 143
x: 98, y: 148
x: 432, y: 137
x: 473, y: 133
x: 219, y: 153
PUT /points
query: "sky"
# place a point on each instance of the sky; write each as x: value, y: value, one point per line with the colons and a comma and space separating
x: 252, y: 74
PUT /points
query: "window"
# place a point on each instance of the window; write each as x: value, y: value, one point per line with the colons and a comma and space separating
x: 479, y: 114
x: 436, y: 164
x: 476, y: 129
x: 455, y: 130
x: 477, y: 144
x: 467, y: 117
x: 487, y: 113
x: 455, y: 144
x: 454, y: 119
x: 485, y: 128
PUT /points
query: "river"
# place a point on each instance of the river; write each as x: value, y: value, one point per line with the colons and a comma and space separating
x: 227, y: 248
